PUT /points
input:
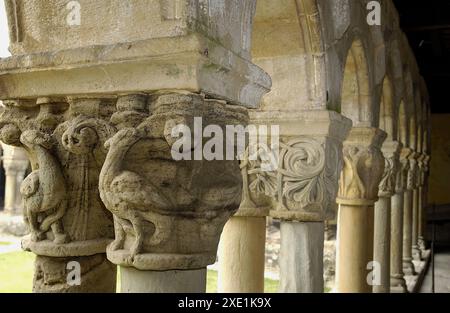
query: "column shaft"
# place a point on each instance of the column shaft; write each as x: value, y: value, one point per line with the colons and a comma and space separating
x: 382, y: 243
x: 301, y: 264
x: 415, y: 226
x: 354, y: 248
x: 397, y: 275
x: 136, y: 281
x: 242, y: 255
x: 10, y: 191
x: 408, y: 266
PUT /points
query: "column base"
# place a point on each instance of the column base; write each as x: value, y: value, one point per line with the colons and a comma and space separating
x: 422, y: 244
x: 416, y: 253
x: 176, y: 281
x: 398, y: 284
x: 408, y: 267
x: 55, y: 275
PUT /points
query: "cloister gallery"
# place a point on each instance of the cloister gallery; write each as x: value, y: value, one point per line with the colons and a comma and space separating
x: 89, y: 90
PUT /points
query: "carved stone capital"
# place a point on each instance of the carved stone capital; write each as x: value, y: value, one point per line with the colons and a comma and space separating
x: 61, y: 201
x: 423, y: 169
x: 402, y: 174
x: 363, y: 167
x: 168, y: 213
x: 413, y: 172
x: 304, y: 184
x: 391, y: 153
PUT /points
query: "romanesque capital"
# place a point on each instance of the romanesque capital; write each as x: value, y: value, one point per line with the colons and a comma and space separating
x: 402, y: 174
x: 61, y: 201
x: 363, y: 167
x: 67, y: 220
x: 303, y: 184
x: 413, y: 172
x: 391, y: 153
x: 169, y: 201
x: 423, y: 168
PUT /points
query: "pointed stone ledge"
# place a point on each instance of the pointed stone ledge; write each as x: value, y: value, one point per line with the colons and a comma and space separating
x: 192, y: 63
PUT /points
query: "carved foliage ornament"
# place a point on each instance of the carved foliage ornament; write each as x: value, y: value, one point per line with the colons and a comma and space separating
x: 360, y: 177
x: 303, y: 185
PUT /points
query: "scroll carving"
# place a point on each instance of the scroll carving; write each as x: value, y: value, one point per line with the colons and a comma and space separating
x: 303, y: 185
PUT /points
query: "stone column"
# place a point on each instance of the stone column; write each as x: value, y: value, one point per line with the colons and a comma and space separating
x: 299, y: 188
x: 416, y: 253
x: 242, y: 244
x: 397, y: 276
x: 175, y: 224
x: 242, y: 254
x: 408, y: 266
x: 15, y: 163
x: 423, y: 203
x: 358, y: 191
x: 104, y: 131
x: 382, y: 229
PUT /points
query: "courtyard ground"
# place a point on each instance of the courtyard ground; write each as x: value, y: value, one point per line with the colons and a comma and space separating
x: 16, y: 270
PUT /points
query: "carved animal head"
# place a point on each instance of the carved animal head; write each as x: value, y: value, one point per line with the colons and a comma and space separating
x: 10, y: 134
x: 80, y: 141
x: 32, y: 138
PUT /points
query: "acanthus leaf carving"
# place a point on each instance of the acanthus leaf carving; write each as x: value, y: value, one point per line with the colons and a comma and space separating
x: 391, y: 150
x: 363, y: 167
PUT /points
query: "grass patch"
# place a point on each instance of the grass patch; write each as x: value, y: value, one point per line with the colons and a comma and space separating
x: 270, y: 286
x: 16, y: 274
x: 4, y: 243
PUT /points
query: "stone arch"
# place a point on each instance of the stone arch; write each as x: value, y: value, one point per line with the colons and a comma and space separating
x: 414, y: 121
x: 387, y: 121
x: 356, y: 91
x: 409, y: 107
x: 296, y: 62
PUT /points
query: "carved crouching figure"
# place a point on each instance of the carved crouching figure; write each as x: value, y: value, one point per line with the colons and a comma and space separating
x: 130, y: 197
x: 43, y: 191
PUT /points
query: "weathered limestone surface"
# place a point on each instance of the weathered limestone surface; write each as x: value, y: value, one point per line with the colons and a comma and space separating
x: 301, y: 259
x: 242, y: 255
x: 174, y: 44
x: 408, y: 266
x: 397, y: 275
x: 358, y: 191
x: 136, y: 281
x: 167, y: 216
x: 382, y: 228
x: 95, y: 107
x: 61, y: 201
